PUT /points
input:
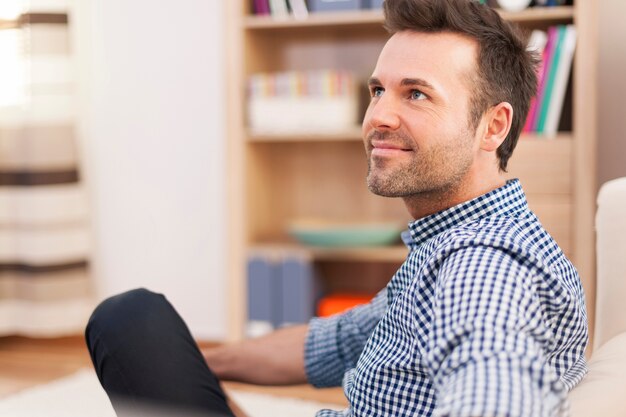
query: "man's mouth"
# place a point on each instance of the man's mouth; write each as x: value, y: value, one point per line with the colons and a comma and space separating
x: 384, y: 148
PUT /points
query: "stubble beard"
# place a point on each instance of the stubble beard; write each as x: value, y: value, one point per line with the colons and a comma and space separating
x: 437, y: 171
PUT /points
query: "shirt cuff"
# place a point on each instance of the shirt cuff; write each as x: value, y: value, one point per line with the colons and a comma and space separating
x: 323, y: 364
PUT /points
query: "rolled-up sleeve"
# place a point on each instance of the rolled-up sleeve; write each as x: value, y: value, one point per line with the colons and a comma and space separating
x: 333, y: 344
x: 487, y: 353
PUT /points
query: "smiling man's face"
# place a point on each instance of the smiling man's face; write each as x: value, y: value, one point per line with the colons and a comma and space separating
x: 417, y: 130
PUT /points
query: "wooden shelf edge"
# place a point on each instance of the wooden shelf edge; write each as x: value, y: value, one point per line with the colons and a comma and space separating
x: 353, y: 134
x: 395, y: 253
x: 368, y: 17
x: 316, y: 19
x: 540, y: 14
x: 534, y: 137
x: 27, y: 19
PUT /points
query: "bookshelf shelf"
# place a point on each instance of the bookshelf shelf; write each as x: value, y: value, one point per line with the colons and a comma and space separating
x: 375, y: 254
x: 26, y: 19
x: 360, y: 17
x: 353, y: 134
x: 395, y: 253
x: 559, y: 14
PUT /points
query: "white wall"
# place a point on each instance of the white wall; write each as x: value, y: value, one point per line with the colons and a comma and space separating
x: 152, y: 124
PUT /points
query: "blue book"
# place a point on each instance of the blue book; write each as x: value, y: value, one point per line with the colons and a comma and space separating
x: 372, y: 4
x: 264, y: 296
x: 334, y: 5
x: 299, y: 290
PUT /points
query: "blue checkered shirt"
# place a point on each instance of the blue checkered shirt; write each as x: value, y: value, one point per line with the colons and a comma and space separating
x: 486, y: 317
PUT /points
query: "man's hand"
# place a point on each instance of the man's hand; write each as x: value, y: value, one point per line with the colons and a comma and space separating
x: 275, y: 359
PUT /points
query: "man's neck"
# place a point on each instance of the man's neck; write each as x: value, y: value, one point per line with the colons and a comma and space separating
x: 427, y: 203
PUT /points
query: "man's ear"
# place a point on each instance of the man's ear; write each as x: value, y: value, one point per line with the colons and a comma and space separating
x: 498, y: 123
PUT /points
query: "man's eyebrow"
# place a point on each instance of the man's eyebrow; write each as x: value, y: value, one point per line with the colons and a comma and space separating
x: 405, y: 82
x: 416, y: 82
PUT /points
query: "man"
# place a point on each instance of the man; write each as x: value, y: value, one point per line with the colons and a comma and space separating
x: 486, y: 317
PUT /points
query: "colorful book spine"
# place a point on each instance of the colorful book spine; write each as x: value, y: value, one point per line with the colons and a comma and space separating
x: 538, y: 44
x: 295, y: 102
x: 298, y: 9
x: 553, y: 37
x: 323, y: 83
x: 555, y: 106
x: 549, y: 85
x: 279, y: 9
x: 261, y: 7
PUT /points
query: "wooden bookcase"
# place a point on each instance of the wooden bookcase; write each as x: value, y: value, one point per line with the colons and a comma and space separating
x: 274, y: 179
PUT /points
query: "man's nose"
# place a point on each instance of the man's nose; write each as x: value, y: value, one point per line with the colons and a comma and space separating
x: 383, y: 114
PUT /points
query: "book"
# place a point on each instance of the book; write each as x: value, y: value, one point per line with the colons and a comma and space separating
x: 561, y: 78
x: 548, y: 52
x: 261, y: 7
x: 298, y: 9
x: 537, y: 44
x: 295, y: 101
x: 278, y: 9
x: 283, y: 289
x: 264, y: 291
x: 299, y: 290
x: 334, y: 5
x: 549, y: 79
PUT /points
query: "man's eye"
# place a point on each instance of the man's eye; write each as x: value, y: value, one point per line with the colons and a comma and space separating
x: 377, y: 91
x: 417, y: 95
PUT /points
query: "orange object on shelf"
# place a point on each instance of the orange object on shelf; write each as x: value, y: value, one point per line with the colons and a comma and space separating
x: 338, y: 303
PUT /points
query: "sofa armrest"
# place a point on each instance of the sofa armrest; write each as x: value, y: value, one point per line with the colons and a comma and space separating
x: 603, y: 390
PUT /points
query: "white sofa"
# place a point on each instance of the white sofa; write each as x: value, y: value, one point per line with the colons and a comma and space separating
x: 603, y: 391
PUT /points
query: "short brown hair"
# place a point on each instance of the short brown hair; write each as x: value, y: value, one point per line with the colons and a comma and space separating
x: 506, y: 70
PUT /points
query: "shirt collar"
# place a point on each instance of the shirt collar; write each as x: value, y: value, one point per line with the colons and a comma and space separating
x: 508, y: 200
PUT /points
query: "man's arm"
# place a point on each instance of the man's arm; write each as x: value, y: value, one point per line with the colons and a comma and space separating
x: 489, y: 342
x: 319, y: 352
x: 274, y: 359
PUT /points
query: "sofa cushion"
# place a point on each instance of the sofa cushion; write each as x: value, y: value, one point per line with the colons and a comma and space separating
x: 611, y: 247
x: 603, y: 390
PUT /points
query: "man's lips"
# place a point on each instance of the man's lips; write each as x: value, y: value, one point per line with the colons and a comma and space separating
x: 382, y: 148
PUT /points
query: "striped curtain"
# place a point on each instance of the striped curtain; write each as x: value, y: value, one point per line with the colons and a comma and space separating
x: 45, y: 288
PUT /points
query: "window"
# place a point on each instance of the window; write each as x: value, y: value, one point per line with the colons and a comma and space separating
x: 13, y: 70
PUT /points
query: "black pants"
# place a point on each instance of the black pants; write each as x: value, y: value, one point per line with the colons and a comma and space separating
x: 146, y: 359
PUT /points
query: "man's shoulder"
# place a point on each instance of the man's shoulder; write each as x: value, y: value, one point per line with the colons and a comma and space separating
x: 502, y: 250
x: 494, y: 229
x: 522, y: 238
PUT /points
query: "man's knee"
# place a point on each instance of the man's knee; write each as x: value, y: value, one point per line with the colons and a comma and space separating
x: 125, y: 314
